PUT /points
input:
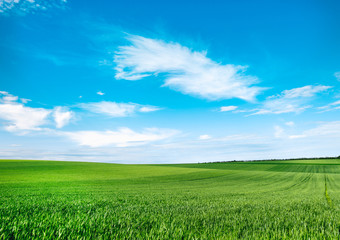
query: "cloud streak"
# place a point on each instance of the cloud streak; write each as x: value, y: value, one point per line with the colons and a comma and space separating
x: 330, y: 107
x: 325, y: 129
x: 189, y: 72
x: 114, y: 109
x: 290, y: 101
x: 337, y: 75
x: 123, y: 137
x: 23, y: 7
x: 228, y: 108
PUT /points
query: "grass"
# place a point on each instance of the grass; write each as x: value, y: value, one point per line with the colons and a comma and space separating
x: 249, y: 200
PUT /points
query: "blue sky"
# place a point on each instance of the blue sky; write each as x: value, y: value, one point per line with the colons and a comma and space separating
x: 169, y: 81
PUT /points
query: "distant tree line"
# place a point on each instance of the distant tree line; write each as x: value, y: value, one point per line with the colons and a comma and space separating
x: 280, y: 159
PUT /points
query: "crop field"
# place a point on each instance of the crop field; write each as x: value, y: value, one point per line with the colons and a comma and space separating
x: 295, y: 199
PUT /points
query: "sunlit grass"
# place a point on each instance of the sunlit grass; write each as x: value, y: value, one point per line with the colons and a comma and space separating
x: 250, y: 200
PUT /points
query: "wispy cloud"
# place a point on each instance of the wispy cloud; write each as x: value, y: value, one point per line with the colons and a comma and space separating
x: 204, y: 137
x: 325, y: 129
x: 100, y: 93
x: 294, y: 100
x: 25, y: 100
x: 189, y: 72
x: 337, y: 75
x: 227, y: 108
x: 330, y: 107
x: 62, y: 116
x: 114, y: 109
x: 23, y: 7
x: 290, y: 123
x: 123, y: 137
x: 279, y: 132
x: 148, y: 108
x: 306, y: 91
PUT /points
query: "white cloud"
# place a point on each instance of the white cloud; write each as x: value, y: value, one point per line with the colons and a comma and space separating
x: 306, y: 91
x: 114, y: 109
x: 327, y: 129
x: 19, y: 117
x: 227, y: 108
x: 290, y: 124
x: 296, y: 136
x: 188, y: 72
x: 330, y: 107
x: 204, y: 137
x: 279, y: 132
x: 293, y: 100
x: 25, y: 100
x: 100, y: 93
x: 15, y: 145
x: 110, y: 108
x: 62, y: 116
x: 124, y: 137
x: 23, y: 7
x: 336, y: 103
x: 9, y: 98
x: 337, y: 75
x: 149, y: 109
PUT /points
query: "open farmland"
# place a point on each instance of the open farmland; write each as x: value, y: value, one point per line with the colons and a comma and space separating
x: 295, y: 199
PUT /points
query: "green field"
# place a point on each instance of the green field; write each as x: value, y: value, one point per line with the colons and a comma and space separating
x: 296, y: 199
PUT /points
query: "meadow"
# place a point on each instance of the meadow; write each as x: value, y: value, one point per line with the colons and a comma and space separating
x: 293, y: 199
